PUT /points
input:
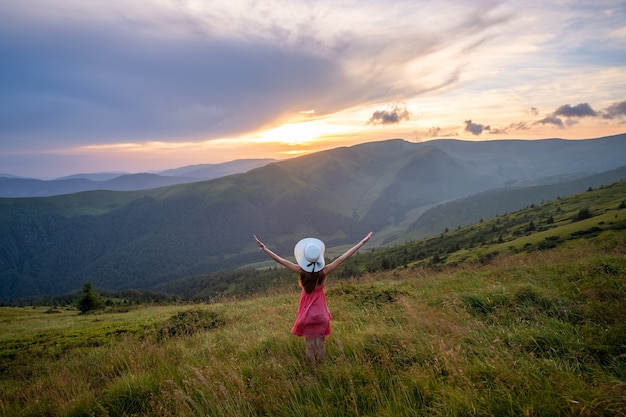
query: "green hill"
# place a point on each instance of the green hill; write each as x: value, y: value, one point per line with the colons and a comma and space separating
x: 528, y: 333
x: 142, y: 239
x: 523, y: 314
x: 542, y: 226
x: 489, y: 204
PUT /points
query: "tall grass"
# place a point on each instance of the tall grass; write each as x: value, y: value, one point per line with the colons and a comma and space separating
x: 528, y: 334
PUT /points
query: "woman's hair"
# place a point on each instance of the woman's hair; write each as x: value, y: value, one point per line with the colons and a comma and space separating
x: 309, y: 280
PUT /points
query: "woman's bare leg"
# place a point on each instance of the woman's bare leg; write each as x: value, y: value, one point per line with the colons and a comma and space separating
x: 310, y: 349
x: 320, y: 349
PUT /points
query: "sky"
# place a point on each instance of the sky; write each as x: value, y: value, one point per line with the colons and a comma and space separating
x: 119, y: 86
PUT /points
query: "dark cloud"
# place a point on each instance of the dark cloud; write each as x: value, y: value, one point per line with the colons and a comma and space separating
x: 550, y: 120
x: 570, y: 113
x: 76, y: 83
x: 579, y: 110
x: 563, y: 116
x: 615, y: 110
x: 475, y: 128
x: 394, y: 116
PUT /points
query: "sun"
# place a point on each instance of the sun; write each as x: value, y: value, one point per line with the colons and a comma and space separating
x: 292, y: 134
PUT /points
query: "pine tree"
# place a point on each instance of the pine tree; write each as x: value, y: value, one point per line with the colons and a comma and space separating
x: 89, y: 300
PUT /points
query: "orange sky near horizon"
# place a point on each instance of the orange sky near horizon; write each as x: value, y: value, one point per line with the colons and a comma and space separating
x: 292, y: 140
x: 112, y: 86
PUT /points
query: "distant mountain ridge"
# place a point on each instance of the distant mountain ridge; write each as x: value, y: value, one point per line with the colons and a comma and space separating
x: 141, y: 239
x: 94, y: 176
x: 11, y: 186
x: 212, y: 171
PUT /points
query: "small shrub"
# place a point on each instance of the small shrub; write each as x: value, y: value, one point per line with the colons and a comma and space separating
x: 547, y: 244
x: 582, y: 215
x: 130, y: 395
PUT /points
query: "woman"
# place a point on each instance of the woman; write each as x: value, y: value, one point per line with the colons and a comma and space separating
x: 313, y: 319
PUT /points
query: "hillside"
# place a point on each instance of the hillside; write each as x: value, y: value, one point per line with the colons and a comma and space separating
x: 489, y: 204
x: 141, y: 239
x: 537, y: 227
x: 531, y: 333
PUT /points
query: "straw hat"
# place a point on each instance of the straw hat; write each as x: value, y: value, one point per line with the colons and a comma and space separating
x: 309, y: 254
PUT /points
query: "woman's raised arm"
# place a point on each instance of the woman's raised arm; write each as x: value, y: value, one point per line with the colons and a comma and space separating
x: 334, y: 264
x: 284, y: 262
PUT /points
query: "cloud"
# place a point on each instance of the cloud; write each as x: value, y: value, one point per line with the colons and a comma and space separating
x: 475, y: 128
x: 110, y: 82
x: 564, y: 116
x: 513, y: 127
x: 397, y: 114
x: 107, y: 72
x: 615, y: 110
x: 550, y: 120
x: 571, y: 113
x: 433, y: 132
x: 580, y: 110
x: 179, y: 71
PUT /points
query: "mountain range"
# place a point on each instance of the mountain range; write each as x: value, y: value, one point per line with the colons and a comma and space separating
x: 400, y: 190
x: 12, y: 186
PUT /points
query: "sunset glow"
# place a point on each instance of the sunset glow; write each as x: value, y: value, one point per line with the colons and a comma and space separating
x: 101, y: 86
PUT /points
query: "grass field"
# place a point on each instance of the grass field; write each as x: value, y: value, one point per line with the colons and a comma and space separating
x: 541, y: 333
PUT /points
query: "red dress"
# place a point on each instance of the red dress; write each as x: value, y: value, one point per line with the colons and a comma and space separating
x: 313, y: 319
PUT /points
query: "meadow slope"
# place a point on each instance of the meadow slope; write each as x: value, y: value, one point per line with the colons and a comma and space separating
x: 532, y: 333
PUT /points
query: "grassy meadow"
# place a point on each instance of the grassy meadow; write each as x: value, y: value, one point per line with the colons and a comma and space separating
x: 526, y: 334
